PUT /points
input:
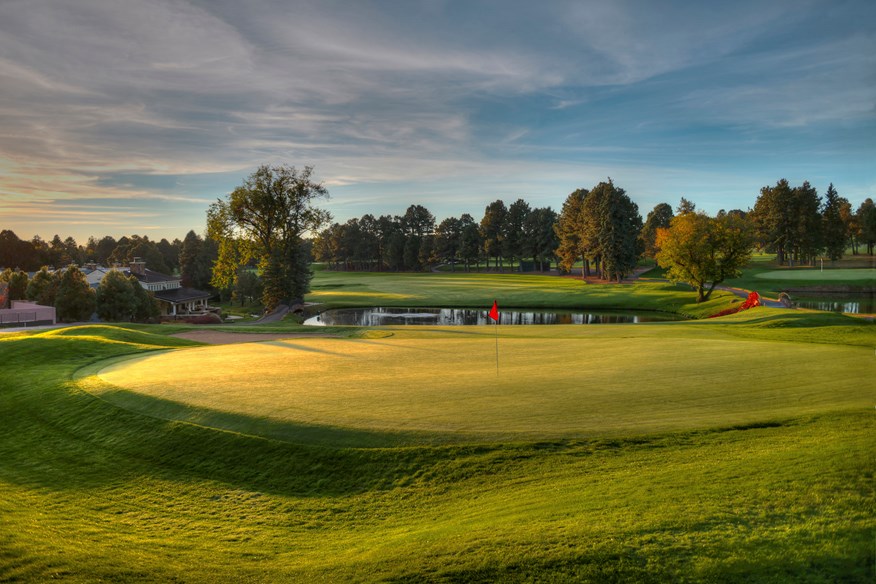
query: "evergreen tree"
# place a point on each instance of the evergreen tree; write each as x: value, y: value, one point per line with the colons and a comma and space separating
x: 470, y: 242
x: 395, y: 251
x: 569, y: 229
x: 658, y: 218
x: 104, y: 249
x: 170, y: 255
x: 412, y: 252
x: 774, y: 219
x: 196, y: 258
x: 427, y: 251
x: 145, y: 307
x: 866, y: 216
x: 834, y: 228
x: 17, y: 284
x: 618, y: 233
x: 515, y: 244
x: 541, y: 238
x: 43, y: 287
x: 494, y: 230
x: 808, y: 240
x: 75, y: 300
x: 15, y: 253
x: 418, y: 221
x: 448, y: 239
x: 116, y: 299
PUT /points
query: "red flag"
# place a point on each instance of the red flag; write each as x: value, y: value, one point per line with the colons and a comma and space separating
x: 494, y: 311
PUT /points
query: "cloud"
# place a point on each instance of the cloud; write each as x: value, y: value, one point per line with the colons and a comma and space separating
x: 178, y: 100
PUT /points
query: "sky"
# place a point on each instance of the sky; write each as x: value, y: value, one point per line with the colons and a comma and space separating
x: 122, y: 117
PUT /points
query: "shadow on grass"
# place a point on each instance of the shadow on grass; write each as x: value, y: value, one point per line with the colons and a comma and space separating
x: 292, y: 432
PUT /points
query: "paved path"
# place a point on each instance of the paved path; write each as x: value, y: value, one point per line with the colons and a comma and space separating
x: 742, y: 293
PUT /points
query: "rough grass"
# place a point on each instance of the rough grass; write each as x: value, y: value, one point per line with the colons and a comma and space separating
x: 93, y: 492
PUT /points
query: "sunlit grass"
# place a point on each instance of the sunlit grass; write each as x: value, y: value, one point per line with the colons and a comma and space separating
x: 345, y: 289
x: 562, y: 381
x: 90, y: 491
x: 814, y: 274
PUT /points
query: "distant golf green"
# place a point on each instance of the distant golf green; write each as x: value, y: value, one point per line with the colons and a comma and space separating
x: 821, y: 275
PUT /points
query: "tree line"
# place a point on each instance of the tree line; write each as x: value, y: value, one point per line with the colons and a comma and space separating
x: 798, y: 225
x: 192, y: 258
x: 262, y: 237
x: 413, y: 241
x: 118, y: 298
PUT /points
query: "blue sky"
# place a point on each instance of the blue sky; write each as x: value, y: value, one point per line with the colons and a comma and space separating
x: 131, y: 116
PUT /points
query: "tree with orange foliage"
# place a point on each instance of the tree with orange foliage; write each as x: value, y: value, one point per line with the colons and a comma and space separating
x: 704, y: 251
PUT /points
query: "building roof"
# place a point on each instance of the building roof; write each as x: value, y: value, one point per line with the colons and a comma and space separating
x: 180, y: 295
x: 152, y: 277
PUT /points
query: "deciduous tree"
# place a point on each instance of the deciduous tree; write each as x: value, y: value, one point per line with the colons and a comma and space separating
x: 268, y: 217
x: 704, y: 251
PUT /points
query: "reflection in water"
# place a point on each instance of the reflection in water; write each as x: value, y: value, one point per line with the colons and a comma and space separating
x: 863, y: 304
x: 468, y: 316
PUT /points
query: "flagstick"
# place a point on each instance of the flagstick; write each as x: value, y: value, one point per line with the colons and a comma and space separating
x: 497, y: 348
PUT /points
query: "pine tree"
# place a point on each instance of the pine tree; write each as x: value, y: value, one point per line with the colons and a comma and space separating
x: 75, y: 298
x: 834, y: 228
x: 568, y: 229
x: 145, y: 305
x: 116, y: 300
x: 43, y: 287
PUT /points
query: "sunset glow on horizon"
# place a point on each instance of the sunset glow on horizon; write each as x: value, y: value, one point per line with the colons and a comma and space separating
x: 125, y: 117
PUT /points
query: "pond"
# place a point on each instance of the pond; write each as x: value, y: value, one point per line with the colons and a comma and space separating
x: 469, y: 316
x: 857, y: 304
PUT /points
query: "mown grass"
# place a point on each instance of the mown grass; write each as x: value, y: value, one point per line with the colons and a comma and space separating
x: 93, y: 492
x: 449, y: 290
x: 442, y: 383
x: 765, y: 275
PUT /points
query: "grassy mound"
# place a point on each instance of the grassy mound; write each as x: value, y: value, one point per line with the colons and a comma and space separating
x: 93, y: 492
x: 441, y: 385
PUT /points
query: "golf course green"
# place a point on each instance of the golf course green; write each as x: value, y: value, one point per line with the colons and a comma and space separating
x: 445, y: 385
x: 829, y: 275
x: 736, y: 449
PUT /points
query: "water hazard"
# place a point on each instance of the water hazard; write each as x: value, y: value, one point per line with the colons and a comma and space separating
x: 469, y: 316
x: 858, y: 304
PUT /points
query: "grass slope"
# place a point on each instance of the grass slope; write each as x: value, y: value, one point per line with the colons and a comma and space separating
x: 90, y: 491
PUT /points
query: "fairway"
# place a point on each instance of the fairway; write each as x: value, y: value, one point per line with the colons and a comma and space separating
x: 737, y: 449
x: 442, y: 384
x: 815, y: 274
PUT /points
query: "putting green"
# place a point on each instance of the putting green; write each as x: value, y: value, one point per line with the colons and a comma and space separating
x: 617, y: 380
x: 828, y: 275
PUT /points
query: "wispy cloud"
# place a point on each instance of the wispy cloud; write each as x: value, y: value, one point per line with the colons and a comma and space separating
x: 175, y: 101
